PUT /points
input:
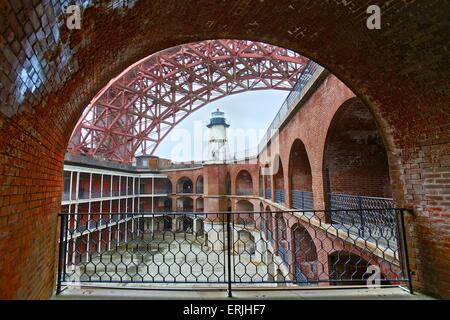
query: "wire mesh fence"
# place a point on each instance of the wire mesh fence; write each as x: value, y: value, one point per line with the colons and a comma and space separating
x: 282, y: 248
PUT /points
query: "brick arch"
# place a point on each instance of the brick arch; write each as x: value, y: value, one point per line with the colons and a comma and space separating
x: 184, y: 185
x: 355, y: 159
x: 185, y: 203
x: 304, y: 253
x: 199, y: 184
x: 199, y: 204
x: 360, y: 260
x: 278, y: 177
x: 35, y: 128
x: 299, y: 177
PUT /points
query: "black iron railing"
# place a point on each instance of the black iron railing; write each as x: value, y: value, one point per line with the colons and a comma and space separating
x: 279, y: 196
x: 371, y: 216
x: 268, y: 193
x: 229, y: 249
x: 302, y: 200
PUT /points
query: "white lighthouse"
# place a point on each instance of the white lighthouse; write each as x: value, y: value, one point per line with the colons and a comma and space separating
x: 218, y: 149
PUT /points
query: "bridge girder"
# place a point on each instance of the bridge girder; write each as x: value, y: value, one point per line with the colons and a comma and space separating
x: 137, y: 109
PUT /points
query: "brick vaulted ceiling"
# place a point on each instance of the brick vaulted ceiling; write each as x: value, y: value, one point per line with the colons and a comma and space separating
x: 48, y: 75
x: 137, y: 109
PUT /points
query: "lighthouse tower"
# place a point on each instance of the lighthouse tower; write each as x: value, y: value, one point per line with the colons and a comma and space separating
x: 218, y: 149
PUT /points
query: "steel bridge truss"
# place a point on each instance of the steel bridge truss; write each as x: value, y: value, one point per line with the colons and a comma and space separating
x: 137, y: 109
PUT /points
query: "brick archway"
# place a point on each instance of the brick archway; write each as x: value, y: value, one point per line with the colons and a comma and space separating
x: 300, y: 177
x: 244, y: 183
x: 37, y: 119
x: 355, y: 159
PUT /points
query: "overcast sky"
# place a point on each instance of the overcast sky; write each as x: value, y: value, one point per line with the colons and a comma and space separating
x: 249, y: 115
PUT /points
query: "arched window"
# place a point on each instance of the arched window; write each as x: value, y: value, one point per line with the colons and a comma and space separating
x: 199, y: 204
x: 199, y: 185
x: 185, y: 204
x: 184, y: 185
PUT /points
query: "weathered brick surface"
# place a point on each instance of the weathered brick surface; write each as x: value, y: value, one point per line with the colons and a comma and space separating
x: 48, y: 74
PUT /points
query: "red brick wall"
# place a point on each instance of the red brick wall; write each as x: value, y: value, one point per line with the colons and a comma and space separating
x: 398, y: 71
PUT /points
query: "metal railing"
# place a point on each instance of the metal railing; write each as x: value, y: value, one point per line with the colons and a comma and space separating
x: 268, y: 193
x: 311, y: 71
x: 358, y: 212
x: 302, y: 200
x: 279, y: 196
x: 224, y: 249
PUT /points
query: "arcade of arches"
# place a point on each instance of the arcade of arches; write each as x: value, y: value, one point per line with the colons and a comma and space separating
x: 382, y: 111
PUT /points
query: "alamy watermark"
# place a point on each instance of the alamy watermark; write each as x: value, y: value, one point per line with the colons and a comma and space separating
x: 374, y: 19
x: 374, y: 279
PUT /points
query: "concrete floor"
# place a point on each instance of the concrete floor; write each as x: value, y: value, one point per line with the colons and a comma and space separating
x: 168, y: 257
x: 391, y: 293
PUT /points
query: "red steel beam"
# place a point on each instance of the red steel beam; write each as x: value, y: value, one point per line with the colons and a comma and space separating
x: 137, y: 109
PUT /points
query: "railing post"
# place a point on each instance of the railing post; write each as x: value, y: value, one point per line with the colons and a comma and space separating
x: 229, y: 253
x: 61, y: 255
x: 404, y: 246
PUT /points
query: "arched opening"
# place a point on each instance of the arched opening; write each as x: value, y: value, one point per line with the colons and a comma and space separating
x: 162, y: 186
x: 278, y: 180
x: 184, y: 185
x: 304, y: 255
x: 244, y: 183
x: 85, y: 75
x: 185, y: 204
x: 300, y: 177
x: 244, y: 219
x: 199, y: 185
x: 356, y: 169
x: 346, y: 268
x: 163, y: 204
x: 199, y: 204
